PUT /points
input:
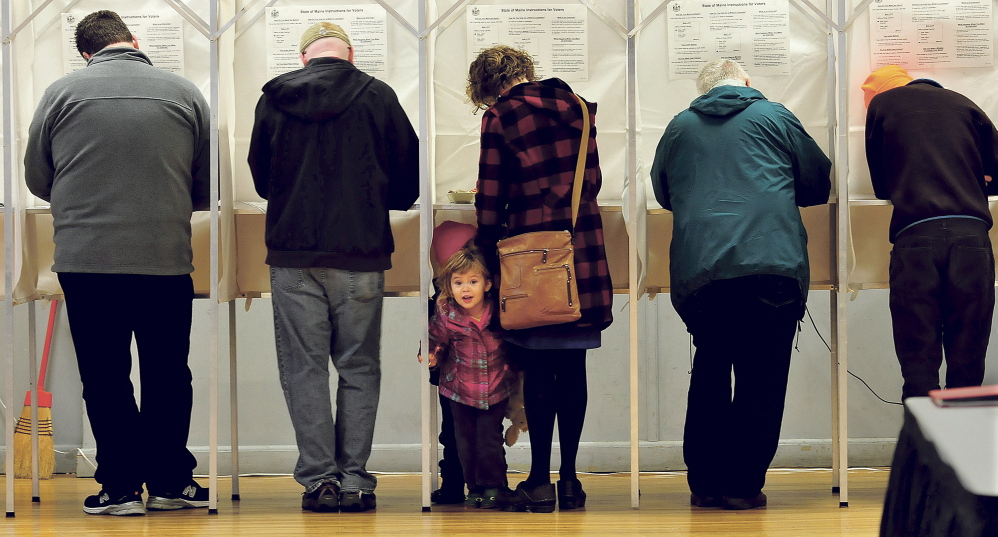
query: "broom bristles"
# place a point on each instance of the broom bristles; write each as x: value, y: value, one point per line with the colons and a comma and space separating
x: 22, y: 444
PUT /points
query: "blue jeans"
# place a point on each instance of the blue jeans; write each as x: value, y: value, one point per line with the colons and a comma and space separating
x: 321, y: 313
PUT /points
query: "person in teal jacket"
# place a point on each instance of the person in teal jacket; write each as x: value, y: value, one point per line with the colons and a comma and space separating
x: 733, y: 168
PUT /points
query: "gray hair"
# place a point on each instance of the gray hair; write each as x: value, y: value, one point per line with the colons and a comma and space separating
x: 718, y: 71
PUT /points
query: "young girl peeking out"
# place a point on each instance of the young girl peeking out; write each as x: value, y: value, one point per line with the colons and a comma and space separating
x: 474, y: 374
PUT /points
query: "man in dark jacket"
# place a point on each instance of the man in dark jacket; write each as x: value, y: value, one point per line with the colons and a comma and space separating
x: 932, y: 152
x: 332, y: 151
x: 733, y: 168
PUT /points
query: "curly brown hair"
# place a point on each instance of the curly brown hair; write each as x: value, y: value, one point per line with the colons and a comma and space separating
x: 494, y: 70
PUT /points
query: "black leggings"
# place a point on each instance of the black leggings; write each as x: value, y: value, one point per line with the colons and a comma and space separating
x: 554, y: 384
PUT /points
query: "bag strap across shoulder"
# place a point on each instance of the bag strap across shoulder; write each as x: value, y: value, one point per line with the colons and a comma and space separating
x: 580, y: 166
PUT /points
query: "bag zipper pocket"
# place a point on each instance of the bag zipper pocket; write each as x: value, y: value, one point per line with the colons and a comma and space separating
x: 502, y: 303
x: 568, y: 278
x: 543, y: 252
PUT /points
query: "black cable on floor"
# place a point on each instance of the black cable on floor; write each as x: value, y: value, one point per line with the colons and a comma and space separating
x: 827, y: 346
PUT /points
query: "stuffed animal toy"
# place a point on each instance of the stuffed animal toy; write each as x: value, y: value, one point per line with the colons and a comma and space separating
x: 516, y: 413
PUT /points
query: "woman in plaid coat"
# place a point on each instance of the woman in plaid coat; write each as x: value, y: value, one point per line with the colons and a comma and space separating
x: 531, y: 134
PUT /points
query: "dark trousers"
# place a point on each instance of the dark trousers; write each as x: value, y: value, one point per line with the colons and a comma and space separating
x: 451, y: 472
x: 745, y: 326
x: 554, y: 388
x: 135, y: 445
x: 942, y: 299
x: 480, y: 444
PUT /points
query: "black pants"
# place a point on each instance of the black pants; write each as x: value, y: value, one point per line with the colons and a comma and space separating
x: 480, y: 444
x: 746, y: 326
x: 135, y: 446
x: 554, y: 388
x: 942, y: 299
x: 451, y: 472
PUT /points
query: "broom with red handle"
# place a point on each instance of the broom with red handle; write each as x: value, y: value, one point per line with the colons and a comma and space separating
x: 22, y: 431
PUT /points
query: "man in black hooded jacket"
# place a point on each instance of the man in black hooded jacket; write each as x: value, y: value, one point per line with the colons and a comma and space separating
x: 332, y: 151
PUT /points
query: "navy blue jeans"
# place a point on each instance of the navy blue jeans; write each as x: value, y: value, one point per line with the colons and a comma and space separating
x: 135, y: 445
x: 743, y: 326
x: 942, y: 299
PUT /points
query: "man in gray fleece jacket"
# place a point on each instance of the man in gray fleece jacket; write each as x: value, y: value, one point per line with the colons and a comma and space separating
x: 120, y: 149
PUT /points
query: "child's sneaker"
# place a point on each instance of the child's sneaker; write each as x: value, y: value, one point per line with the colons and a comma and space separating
x: 489, y: 499
x: 192, y: 495
x: 474, y: 497
x: 104, y: 504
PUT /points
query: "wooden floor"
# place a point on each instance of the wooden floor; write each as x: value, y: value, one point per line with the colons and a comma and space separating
x: 800, y: 504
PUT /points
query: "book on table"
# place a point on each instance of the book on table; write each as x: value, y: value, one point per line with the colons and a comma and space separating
x: 966, y: 396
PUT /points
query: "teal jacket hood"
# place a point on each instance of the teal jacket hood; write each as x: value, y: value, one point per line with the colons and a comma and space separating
x: 724, y: 101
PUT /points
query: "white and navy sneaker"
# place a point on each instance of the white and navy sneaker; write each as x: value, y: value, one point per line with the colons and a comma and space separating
x: 192, y: 495
x: 105, y: 504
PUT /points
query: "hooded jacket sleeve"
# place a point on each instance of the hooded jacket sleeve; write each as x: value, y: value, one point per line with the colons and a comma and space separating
x: 403, y: 172
x: 811, y: 167
x: 259, y: 149
x: 659, y: 180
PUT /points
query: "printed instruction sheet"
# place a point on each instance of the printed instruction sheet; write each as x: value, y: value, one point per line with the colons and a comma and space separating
x: 941, y: 33
x: 555, y: 35
x: 366, y: 25
x: 754, y: 33
x: 160, y: 35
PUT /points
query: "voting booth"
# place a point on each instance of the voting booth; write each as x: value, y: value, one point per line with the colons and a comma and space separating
x: 637, y: 60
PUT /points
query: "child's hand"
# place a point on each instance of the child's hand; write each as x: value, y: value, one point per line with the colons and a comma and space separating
x: 432, y: 360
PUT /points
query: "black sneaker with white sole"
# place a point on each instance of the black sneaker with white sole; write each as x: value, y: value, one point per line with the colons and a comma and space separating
x: 103, y: 503
x: 191, y: 495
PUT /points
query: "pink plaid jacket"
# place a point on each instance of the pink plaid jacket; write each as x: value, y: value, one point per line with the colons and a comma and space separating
x: 473, y: 368
x: 530, y: 143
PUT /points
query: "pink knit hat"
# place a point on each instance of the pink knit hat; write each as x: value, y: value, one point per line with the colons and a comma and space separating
x: 448, y: 238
